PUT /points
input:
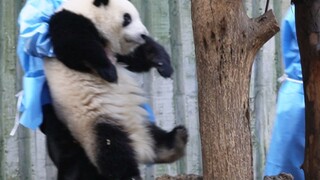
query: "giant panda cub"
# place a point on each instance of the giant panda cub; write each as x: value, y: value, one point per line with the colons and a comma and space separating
x: 93, y: 93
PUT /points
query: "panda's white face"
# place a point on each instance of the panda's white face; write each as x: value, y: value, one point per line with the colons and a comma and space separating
x: 118, y: 22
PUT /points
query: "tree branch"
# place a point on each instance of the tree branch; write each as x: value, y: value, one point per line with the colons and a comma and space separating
x: 263, y: 28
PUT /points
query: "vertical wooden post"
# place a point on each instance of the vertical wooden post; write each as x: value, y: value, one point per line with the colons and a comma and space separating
x: 308, y: 33
x: 226, y: 42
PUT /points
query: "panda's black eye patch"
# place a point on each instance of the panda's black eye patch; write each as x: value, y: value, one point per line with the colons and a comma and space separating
x: 126, y: 19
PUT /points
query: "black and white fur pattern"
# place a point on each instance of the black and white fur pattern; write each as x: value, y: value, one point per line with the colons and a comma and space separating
x: 90, y: 38
x: 91, y: 26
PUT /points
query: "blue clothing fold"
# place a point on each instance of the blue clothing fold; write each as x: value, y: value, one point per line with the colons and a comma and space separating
x: 286, y: 152
x: 33, y: 45
x: 290, y: 48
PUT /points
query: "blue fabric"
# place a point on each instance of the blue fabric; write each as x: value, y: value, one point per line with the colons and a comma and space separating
x: 34, y: 44
x: 290, y: 49
x: 286, y: 152
x: 150, y: 112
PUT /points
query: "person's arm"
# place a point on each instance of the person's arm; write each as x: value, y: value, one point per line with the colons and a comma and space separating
x: 34, y: 44
x: 290, y: 49
x: 33, y: 22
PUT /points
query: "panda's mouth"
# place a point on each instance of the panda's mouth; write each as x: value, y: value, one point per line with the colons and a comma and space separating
x: 129, y: 41
x: 137, y: 41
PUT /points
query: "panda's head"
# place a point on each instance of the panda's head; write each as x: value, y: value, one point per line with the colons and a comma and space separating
x: 117, y: 21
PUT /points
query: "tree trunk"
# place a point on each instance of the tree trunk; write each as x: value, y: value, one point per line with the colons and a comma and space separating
x: 226, y: 42
x: 308, y: 28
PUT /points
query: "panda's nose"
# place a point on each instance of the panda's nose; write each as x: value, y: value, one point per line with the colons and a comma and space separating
x: 143, y: 36
x: 144, y: 33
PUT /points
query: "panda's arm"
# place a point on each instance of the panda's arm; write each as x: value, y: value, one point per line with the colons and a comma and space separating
x: 148, y: 55
x: 77, y: 44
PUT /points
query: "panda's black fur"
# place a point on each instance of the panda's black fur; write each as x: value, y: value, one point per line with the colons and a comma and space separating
x: 66, y: 153
x: 115, y: 151
x: 83, y: 41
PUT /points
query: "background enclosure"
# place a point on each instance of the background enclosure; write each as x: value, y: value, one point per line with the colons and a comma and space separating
x: 174, y: 101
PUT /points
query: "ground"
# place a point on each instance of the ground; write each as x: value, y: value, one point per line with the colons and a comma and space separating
x: 180, y: 177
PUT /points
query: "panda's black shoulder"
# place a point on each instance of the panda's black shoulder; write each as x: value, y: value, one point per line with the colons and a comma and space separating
x: 75, y: 38
x: 68, y: 24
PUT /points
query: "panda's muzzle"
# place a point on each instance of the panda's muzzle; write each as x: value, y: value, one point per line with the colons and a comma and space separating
x: 138, y: 40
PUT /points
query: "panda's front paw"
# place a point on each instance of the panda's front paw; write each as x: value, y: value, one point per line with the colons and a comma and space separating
x: 159, y: 57
x: 108, y: 73
x: 163, y: 67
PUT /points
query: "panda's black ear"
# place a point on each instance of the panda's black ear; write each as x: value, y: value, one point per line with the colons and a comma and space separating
x: 100, y: 2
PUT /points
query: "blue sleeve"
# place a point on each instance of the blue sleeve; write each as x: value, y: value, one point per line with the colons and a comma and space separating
x: 290, y: 48
x: 33, y: 21
x: 286, y: 36
x: 150, y: 115
x: 33, y: 45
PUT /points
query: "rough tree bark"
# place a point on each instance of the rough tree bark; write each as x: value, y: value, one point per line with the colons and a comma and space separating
x: 308, y: 29
x: 226, y: 42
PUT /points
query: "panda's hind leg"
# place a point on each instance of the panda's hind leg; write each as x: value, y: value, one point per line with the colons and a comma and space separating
x: 115, y: 157
x: 169, y: 146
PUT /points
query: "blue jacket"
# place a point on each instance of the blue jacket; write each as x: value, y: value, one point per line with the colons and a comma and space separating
x: 290, y: 48
x: 286, y: 152
x: 34, y: 44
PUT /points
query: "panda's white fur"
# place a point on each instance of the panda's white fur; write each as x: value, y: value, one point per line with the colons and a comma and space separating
x: 84, y: 98
x: 108, y: 22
